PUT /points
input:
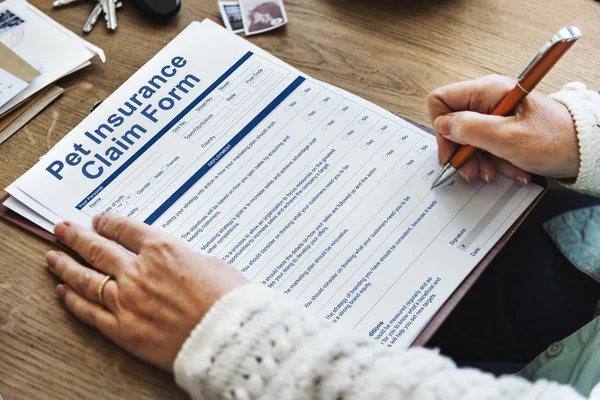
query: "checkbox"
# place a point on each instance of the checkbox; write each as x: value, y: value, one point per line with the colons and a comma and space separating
x: 325, y: 127
x: 287, y: 109
x: 363, y: 147
x: 302, y: 93
x: 305, y: 118
x: 404, y: 167
x: 380, y: 131
x: 420, y: 151
x: 341, y: 112
x: 152, y: 179
x: 446, y: 188
x: 165, y: 168
x: 322, y: 103
x: 400, y: 141
x: 361, y: 121
x: 344, y: 137
x: 425, y: 178
x: 384, y: 157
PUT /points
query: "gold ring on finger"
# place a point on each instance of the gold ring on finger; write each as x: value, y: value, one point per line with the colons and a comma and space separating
x: 100, y: 290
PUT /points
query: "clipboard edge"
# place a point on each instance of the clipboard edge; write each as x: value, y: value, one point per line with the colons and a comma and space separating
x: 461, y: 290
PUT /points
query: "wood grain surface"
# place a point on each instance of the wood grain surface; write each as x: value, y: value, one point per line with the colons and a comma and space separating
x: 391, y: 52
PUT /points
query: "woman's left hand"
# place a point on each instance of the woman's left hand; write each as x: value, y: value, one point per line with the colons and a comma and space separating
x: 160, y: 290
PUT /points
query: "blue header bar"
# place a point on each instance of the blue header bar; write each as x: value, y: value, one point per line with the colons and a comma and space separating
x: 223, y: 151
x: 163, y: 131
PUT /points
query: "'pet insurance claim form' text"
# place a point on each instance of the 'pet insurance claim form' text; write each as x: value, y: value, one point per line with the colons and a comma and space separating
x: 304, y: 187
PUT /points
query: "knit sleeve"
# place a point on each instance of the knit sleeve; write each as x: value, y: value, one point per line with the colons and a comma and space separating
x: 256, y: 344
x: 584, y: 106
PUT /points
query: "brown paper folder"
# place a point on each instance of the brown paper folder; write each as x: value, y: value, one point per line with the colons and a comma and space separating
x: 13, y: 114
x: 15, y: 65
x: 435, y: 322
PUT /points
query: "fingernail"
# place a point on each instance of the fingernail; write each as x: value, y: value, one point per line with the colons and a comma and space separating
x: 522, y: 178
x: 486, y: 177
x: 466, y: 176
x: 51, y: 257
x: 60, y: 228
x: 442, y: 125
x: 61, y: 291
x: 95, y: 220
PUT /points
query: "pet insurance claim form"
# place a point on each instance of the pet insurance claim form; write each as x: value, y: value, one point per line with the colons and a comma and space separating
x: 305, y: 188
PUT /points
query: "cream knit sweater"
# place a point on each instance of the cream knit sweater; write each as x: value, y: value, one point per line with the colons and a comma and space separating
x: 256, y: 344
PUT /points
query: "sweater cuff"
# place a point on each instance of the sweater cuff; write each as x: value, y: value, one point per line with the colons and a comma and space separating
x: 584, y: 106
x: 216, y: 346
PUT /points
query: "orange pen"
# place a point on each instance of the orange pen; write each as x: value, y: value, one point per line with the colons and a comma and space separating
x: 543, y: 62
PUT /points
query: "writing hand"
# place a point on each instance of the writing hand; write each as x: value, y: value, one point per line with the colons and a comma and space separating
x: 539, y: 138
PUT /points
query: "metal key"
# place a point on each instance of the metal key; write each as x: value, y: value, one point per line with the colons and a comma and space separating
x: 111, y: 15
x: 93, y: 18
x: 104, y: 5
x: 61, y: 3
x: 91, y: 21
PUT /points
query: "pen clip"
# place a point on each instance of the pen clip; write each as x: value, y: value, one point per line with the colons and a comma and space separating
x: 567, y: 34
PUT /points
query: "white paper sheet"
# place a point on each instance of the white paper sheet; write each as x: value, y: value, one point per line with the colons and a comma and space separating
x: 10, y: 86
x: 21, y: 209
x: 304, y: 187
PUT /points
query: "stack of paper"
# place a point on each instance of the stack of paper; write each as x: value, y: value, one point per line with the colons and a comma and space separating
x: 15, y: 74
x: 305, y: 188
x: 35, y: 51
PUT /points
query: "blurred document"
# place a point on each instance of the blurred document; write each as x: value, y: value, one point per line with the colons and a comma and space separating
x: 10, y: 86
x: 49, y: 47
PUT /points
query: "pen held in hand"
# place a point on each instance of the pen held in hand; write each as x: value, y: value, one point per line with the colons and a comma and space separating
x: 541, y: 64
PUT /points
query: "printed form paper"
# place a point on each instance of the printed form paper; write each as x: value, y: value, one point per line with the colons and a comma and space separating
x: 305, y: 188
x: 10, y: 86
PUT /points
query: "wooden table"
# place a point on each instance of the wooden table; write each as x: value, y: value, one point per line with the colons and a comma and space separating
x: 389, y: 52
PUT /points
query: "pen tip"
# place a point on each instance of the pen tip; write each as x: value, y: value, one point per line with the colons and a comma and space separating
x: 443, y: 175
